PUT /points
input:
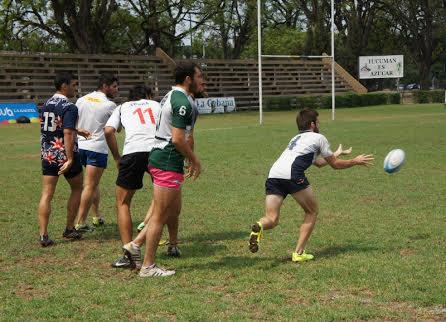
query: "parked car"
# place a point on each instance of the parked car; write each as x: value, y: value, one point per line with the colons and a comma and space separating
x: 401, y: 87
x: 413, y: 86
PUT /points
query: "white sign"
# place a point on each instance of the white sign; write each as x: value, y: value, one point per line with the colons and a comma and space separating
x: 215, y: 105
x: 381, y: 66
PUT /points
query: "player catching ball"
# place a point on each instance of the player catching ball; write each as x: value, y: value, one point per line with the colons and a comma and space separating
x: 287, y: 177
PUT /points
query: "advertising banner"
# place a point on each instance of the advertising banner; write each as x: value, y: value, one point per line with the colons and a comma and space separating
x: 211, y: 105
x: 381, y: 66
x: 10, y: 112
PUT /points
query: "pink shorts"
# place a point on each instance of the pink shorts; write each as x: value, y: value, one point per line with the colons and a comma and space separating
x: 166, y: 179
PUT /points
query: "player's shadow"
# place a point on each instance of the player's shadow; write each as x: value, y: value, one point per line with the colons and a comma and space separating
x: 333, y: 251
x: 208, y: 244
x: 109, y: 231
x: 232, y: 263
x: 216, y: 236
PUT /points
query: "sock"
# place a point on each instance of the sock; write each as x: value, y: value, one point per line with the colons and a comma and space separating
x: 134, y: 245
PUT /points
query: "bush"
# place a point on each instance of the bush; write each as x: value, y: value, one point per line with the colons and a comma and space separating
x: 436, y: 96
x: 394, y: 98
x: 343, y: 100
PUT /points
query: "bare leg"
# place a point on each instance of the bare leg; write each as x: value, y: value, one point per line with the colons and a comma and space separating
x: 95, y: 204
x: 173, y: 222
x: 306, y: 199
x: 141, y: 238
x: 75, y: 198
x: 123, y: 201
x: 163, y: 199
x: 272, y: 211
x: 149, y: 213
x: 92, y: 178
x: 49, y: 184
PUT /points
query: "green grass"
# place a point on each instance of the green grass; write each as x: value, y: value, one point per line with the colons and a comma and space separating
x: 379, y: 242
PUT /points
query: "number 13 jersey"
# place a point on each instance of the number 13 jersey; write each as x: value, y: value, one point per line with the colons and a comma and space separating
x: 57, y: 114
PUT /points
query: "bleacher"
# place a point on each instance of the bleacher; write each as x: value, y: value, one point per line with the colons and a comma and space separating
x: 281, y: 77
x: 29, y: 77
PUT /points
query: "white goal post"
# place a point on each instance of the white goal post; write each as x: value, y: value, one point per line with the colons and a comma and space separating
x: 260, y: 56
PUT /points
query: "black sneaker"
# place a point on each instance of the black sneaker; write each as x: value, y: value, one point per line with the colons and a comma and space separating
x: 173, y: 251
x: 71, y: 234
x: 123, y: 262
x: 45, y: 241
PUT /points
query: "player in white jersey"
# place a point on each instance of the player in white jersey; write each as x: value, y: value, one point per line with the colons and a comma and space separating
x: 138, y: 117
x: 287, y: 176
x: 94, y: 110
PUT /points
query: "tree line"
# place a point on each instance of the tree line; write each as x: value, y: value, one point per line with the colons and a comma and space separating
x: 228, y: 29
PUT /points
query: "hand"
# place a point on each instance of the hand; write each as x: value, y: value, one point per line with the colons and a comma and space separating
x: 86, y: 134
x: 117, y: 162
x: 194, y: 169
x: 65, y: 167
x: 364, y: 159
x: 340, y: 151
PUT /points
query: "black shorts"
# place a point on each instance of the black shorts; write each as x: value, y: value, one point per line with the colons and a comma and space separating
x: 284, y: 187
x: 131, y: 170
x: 53, y: 170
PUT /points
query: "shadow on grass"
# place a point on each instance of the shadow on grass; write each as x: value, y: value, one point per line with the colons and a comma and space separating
x: 218, y: 236
x: 234, y: 263
x: 333, y: 251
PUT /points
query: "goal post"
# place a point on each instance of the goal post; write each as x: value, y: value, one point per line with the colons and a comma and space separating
x: 260, y: 56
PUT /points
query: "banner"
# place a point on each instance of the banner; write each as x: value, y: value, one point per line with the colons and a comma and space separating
x: 210, y: 105
x: 381, y: 66
x: 10, y: 112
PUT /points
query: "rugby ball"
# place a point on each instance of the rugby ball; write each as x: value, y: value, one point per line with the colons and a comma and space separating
x: 394, y: 161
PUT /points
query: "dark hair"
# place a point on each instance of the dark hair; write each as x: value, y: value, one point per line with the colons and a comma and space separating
x: 63, y: 78
x: 182, y: 70
x: 305, y: 117
x: 106, y: 79
x: 139, y: 92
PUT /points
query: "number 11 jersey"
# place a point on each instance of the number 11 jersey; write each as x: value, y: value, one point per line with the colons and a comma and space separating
x: 139, y: 119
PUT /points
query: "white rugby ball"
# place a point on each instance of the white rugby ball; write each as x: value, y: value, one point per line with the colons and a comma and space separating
x: 394, y: 161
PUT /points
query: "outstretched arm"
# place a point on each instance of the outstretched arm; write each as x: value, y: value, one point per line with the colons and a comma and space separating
x: 320, y: 162
x: 338, y: 164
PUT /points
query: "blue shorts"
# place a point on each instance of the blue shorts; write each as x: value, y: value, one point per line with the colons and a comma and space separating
x: 94, y: 159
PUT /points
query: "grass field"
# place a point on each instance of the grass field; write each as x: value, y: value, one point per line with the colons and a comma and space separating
x: 379, y: 242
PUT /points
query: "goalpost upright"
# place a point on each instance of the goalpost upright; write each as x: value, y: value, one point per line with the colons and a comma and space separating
x: 260, y: 56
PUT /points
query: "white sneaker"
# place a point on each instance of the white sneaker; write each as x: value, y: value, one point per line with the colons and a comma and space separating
x: 133, y: 254
x: 155, y: 271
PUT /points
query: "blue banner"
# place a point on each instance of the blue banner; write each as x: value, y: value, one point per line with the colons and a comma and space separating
x: 10, y: 112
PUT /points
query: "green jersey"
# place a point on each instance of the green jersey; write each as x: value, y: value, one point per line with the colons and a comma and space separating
x: 176, y: 111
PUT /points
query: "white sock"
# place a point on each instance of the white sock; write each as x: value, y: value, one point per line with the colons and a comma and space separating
x: 134, y: 245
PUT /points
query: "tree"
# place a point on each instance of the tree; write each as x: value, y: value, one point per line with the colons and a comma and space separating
x: 234, y: 25
x: 420, y: 26
x: 165, y: 23
x: 355, y: 21
x: 317, y: 13
x: 82, y: 24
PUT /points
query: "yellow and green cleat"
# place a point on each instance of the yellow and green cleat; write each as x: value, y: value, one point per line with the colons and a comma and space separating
x: 295, y: 257
x: 255, y: 236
